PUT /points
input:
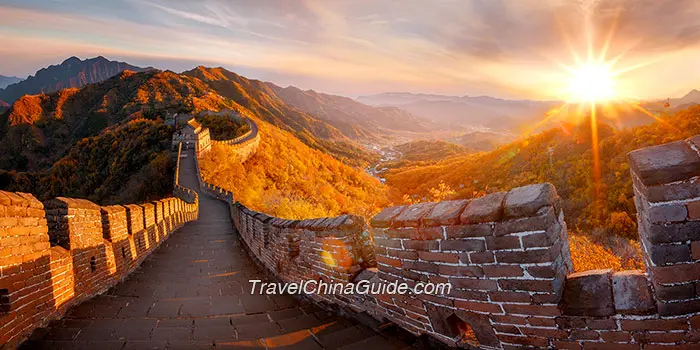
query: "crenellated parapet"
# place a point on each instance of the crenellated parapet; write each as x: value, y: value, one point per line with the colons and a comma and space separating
x: 56, y: 254
x: 506, y: 257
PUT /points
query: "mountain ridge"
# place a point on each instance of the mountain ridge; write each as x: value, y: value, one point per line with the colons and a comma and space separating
x: 71, y: 73
x: 5, y: 81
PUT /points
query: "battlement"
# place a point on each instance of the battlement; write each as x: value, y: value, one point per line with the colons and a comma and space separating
x: 507, y: 258
x: 56, y: 254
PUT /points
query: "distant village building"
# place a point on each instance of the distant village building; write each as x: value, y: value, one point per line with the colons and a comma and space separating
x: 193, y: 136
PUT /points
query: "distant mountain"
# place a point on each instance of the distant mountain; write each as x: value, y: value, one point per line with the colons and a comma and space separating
x: 471, y: 112
x: 354, y: 119
x: 72, y: 73
x: 5, y: 81
x: 691, y: 98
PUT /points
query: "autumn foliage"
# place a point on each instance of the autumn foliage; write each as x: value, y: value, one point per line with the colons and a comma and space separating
x: 287, y: 179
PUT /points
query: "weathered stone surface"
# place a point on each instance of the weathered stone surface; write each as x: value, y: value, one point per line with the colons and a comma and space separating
x: 527, y: 200
x: 588, y: 293
x: 412, y: 215
x: 668, y: 213
x: 668, y: 233
x: 679, y: 190
x: 669, y: 254
x: 632, y: 294
x: 62, y: 202
x: 386, y: 216
x: 665, y: 163
x: 445, y: 213
x: 485, y: 209
x: 694, y: 209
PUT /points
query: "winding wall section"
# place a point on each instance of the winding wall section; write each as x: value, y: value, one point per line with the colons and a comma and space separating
x: 507, y: 258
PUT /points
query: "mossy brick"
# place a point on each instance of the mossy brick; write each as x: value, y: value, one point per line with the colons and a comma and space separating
x: 665, y: 163
x: 445, y: 213
x: 484, y: 209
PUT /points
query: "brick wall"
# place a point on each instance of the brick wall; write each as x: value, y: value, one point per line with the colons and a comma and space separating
x: 55, y: 254
x: 667, y: 194
x: 58, y: 253
x: 507, y: 258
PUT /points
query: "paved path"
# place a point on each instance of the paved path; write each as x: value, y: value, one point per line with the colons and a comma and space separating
x: 193, y: 293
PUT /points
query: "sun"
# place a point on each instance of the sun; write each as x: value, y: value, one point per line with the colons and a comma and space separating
x: 592, y: 82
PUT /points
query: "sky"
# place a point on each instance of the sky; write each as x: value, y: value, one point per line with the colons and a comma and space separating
x: 511, y: 49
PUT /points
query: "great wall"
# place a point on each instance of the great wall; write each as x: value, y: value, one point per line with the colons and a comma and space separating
x: 505, y: 254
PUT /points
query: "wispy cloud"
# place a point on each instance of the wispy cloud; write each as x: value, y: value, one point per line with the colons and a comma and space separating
x: 496, y: 47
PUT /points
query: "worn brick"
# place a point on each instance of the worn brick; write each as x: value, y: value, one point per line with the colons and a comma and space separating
x: 676, y: 273
x: 464, y: 245
x: 527, y: 285
x: 388, y: 261
x: 694, y: 210
x: 421, y: 245
x: 412, y: 215
x: 386, y: 216
x: 445, y: 213
x: 528, y: 256
x: 669, y: 254
x: 532, y: 310
x: 654, y: 325
x: 616, y: 336
x: 503, y: 242
x: 631, y: 293
x: 469, y: 230
x: 478, y: 306
x: 513, y: 297
x: 482, y: 258
x: 473, y: 283
x: 485, y: 209
x: 667, y: 213
x: 527, y: 200
x: 438, y: 257
x: 695, y: 250
x: 466, y: 271
x: 503, y: 270
x: 588, y: 293
x: 665, y: 163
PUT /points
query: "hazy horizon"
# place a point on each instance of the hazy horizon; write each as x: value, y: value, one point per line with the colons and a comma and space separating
x: 511, y: 50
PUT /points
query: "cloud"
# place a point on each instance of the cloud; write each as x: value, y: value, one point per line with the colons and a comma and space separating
x: 495, y: 47
x: 211, y: 20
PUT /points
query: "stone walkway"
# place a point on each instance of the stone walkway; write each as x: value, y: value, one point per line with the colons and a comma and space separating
x: 193, y: 292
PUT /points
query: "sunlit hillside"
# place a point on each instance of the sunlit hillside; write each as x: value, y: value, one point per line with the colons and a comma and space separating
x: 288, y: 179
x: 261, y: 99
x: 39, y: 129
x: 570, y: 170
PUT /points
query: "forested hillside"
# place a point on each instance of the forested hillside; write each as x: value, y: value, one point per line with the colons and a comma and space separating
x: 288, y: 179
x: 39, y: 129
x: 129, y: 163
x: 261, y: 100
